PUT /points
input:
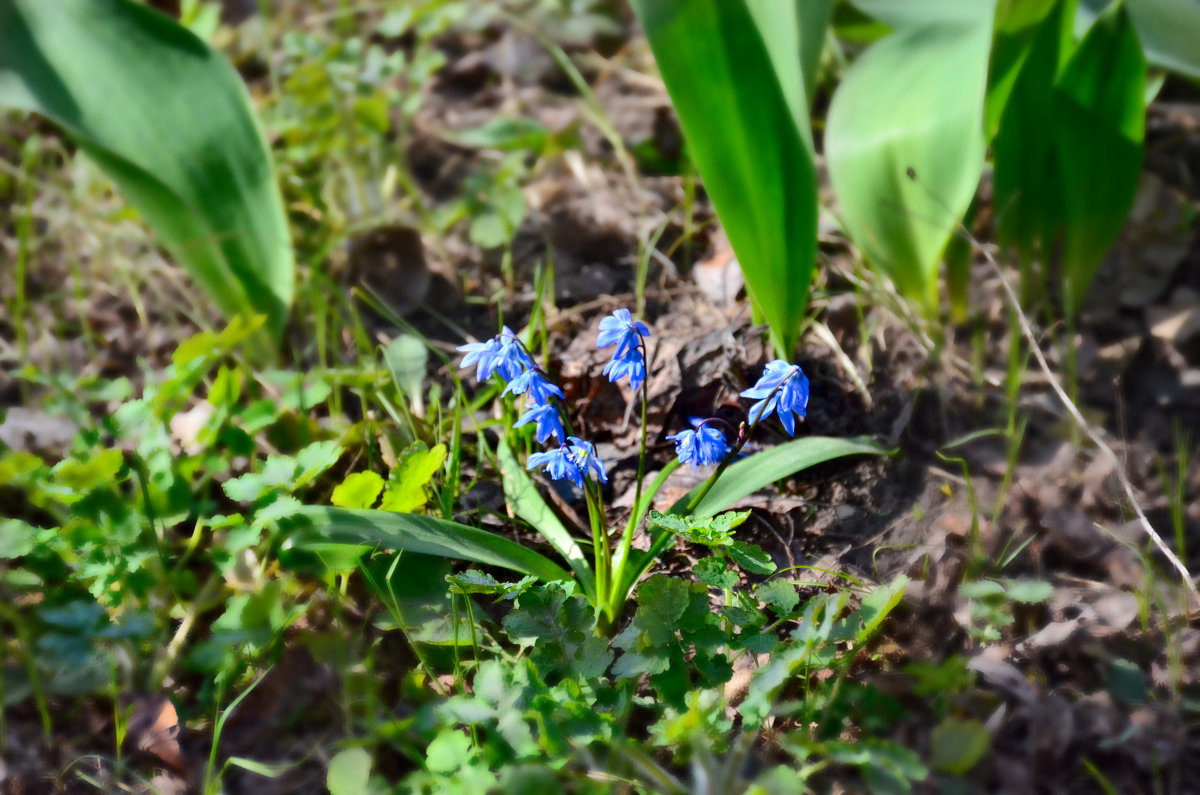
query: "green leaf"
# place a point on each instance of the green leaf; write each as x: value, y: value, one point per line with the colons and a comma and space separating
x: 16, y: 538
x: 1167, y: 29
x: 506, y: 134
x: 315, y: 459
x: 911, y: 104
x: 407, y: 488
x: 715, y: 572
x: 406, y: 358
x: 733, y: 70
x: 878, y: 604
x: 523, y: 498
x: 1030, y: 592
x: 760, y: 470
x: 337, y: 527
x: 349, y: 772
x: 752, y: 558
x: 1099, y: 129
x: 1026, y: 184
x: 358, y: 490
x: 171, y: 123
x: 661, y: 602
x: 956, y: 746
x: 780, y: 594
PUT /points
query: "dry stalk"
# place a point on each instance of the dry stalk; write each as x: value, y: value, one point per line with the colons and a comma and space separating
x: 1092, y: 433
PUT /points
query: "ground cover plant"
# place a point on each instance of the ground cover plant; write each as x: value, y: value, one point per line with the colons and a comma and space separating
x: 459, y: 396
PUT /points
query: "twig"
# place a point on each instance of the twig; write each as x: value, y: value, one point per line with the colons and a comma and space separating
x: 1091, y: 432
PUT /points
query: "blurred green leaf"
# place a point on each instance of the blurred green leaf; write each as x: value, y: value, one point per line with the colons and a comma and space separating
x: 503, y: 133
x: 1168, y: 29
x: 1099, y: 129
x: 911, y: 105
x: 16, y: 538
x: 957, y: 746
x: 1026, y: 184
x: 358, y: 490
x: 170, y: 122
x: 349, y: 772
x: 733, y: 70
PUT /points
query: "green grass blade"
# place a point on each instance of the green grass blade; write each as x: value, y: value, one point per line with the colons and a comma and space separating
x: 339, y: 527
x: 913, y: 101
x: 523, y: 498
x: 746, y: 126
x: 760, y: 470
x: 1168, y: 29
x: 1099, y: 129
x: 745, y: 477
x: 170, y: 122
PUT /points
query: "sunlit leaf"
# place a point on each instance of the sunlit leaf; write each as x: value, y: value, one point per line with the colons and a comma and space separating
x: 170, y: 122
x: 904, y: 144
x: 340, y: 527
x: 733, y: 70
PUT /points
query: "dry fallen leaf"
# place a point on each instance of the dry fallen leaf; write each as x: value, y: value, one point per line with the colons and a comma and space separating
x: 154, y: 730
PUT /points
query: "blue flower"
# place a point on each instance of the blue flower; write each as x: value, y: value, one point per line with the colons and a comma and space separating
x: 502, y: 354
x: 700, y: 447
x: 559, y: 464
x: 631, y: 366
x: 783, y: 389
x: 584, y: 454
x: 547, y: 419
x: 572, y: 460
x: 622, y: 330
x: 532, y: 382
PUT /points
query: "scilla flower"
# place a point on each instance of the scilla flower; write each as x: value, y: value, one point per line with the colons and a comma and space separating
x: 700, y: 447
x: 783, y: 389
x: 572, y: 461
x: 622, y: 330
x: 502, y: 354
x: 630, y: 366
x: 547, y: 419
x: 532, y: 383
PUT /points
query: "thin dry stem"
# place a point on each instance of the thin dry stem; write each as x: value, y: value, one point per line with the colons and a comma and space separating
x: 1092, y: 433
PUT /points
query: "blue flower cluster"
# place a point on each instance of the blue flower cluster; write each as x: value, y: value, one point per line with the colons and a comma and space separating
x: 782, y: 390
x: 504, y: 355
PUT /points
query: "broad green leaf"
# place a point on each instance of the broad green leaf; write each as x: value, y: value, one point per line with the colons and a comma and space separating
x: 1099, y: 129
x: 733, y: 70
x: 337, y: 527
x: 522, y: 497
x: 760, y: 470
x: 911, y: 105
x: 1026, y: 184
x: 1017, y: 23
x: 170, y: 122
x: 780, y: 594
x: 916, y: 13
x: 1168, y: 30
x: 745, y: 477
